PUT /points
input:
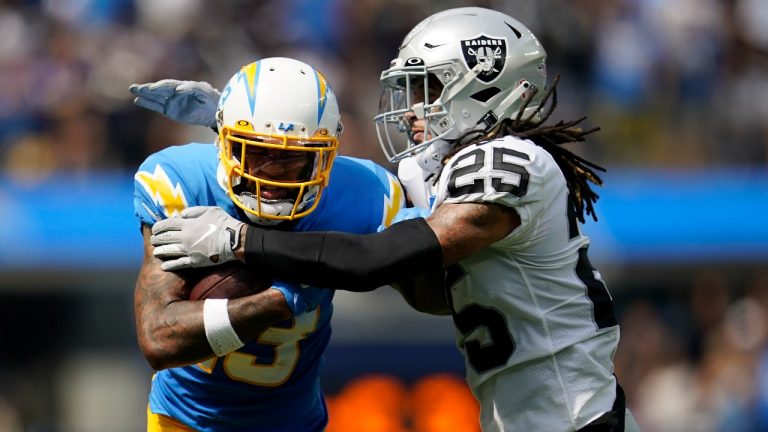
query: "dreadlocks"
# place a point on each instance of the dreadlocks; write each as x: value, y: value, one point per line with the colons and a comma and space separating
x: 578, y: 172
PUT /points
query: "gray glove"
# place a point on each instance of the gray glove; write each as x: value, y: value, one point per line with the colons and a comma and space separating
x: 191, y: 102
x: 201, y: 237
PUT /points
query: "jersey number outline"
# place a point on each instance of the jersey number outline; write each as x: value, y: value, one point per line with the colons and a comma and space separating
x: 243, y: 367
x: 477, y: 184
x: 481, y: 356
x: 486, y: 356
x: 597, y: 292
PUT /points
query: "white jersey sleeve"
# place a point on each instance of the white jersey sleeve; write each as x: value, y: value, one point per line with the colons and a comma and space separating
x: 534, y: 320
x: 509, y: 171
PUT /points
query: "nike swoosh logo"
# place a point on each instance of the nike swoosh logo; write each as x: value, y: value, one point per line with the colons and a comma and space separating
x: 211, y: 229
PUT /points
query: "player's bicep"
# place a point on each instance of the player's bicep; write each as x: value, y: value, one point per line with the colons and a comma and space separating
x: 466, y: 228
x: 155, y: 288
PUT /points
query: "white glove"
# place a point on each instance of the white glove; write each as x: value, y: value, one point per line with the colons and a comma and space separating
x: 201, y: 237
x: 416, y: 181
x: 191, y: 102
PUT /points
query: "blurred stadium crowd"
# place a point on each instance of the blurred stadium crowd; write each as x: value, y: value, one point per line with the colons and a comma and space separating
x: 672, y: 83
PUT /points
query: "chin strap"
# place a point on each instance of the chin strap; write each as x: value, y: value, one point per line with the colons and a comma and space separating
x: 490, y: 118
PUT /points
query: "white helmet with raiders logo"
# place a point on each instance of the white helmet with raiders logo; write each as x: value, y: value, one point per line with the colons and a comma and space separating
x: 278, y: 122
x: 459, y: 70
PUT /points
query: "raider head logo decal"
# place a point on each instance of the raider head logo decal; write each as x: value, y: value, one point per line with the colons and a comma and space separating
x: 489, y: 52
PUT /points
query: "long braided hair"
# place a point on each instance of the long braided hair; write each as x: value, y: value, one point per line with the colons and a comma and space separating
x: 578, y: 172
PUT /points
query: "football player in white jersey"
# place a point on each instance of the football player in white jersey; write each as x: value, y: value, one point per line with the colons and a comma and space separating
x: 464, y: 110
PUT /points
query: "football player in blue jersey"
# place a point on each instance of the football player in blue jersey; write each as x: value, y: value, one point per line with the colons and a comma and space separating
x: 251, y: 363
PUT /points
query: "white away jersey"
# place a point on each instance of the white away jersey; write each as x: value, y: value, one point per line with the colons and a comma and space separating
x: 534, y: 320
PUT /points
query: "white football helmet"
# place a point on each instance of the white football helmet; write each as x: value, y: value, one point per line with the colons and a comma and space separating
x: 278, y: 122
x: 459, y: 70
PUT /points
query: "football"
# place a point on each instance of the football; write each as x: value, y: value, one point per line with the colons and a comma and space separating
x: 230, y: 280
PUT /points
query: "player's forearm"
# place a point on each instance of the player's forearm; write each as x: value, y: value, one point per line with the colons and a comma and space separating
x: 345, y: 261
x: 426, y: 293
x: 168, y: 329
x: 171, y: 329
x: 175, y: 335
x: 253, y: 314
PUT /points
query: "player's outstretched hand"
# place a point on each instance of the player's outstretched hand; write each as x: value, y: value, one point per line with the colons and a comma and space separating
x: 191, y: 102
x: 301, y: 298
x: 201, y: 237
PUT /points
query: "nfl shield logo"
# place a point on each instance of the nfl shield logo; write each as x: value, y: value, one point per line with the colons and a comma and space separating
x: 489, y: 52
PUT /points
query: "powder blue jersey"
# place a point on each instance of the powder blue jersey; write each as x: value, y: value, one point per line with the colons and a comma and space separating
x: 272, y: 383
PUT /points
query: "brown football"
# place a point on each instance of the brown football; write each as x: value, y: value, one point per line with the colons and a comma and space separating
x: 230, y: 280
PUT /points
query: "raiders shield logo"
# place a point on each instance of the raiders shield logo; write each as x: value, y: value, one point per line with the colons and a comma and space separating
x: 489, y: 52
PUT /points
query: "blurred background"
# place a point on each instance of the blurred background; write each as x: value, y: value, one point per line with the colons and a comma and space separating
x: 679, y: 88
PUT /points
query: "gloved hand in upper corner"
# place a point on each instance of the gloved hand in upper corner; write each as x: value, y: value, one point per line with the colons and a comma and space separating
x: 191, y: 102
x: 407, y: 213
x: 301, y: 298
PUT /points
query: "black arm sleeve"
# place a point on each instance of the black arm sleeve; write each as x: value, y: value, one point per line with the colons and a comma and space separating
x: 345, y: 261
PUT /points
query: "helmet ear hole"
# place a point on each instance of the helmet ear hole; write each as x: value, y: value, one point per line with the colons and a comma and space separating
x: 486, y: 94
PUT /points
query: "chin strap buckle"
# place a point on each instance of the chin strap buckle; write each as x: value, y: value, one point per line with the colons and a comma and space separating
x: 488, y: 120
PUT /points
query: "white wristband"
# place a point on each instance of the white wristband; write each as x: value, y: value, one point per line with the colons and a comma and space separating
x: 218, y: 329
